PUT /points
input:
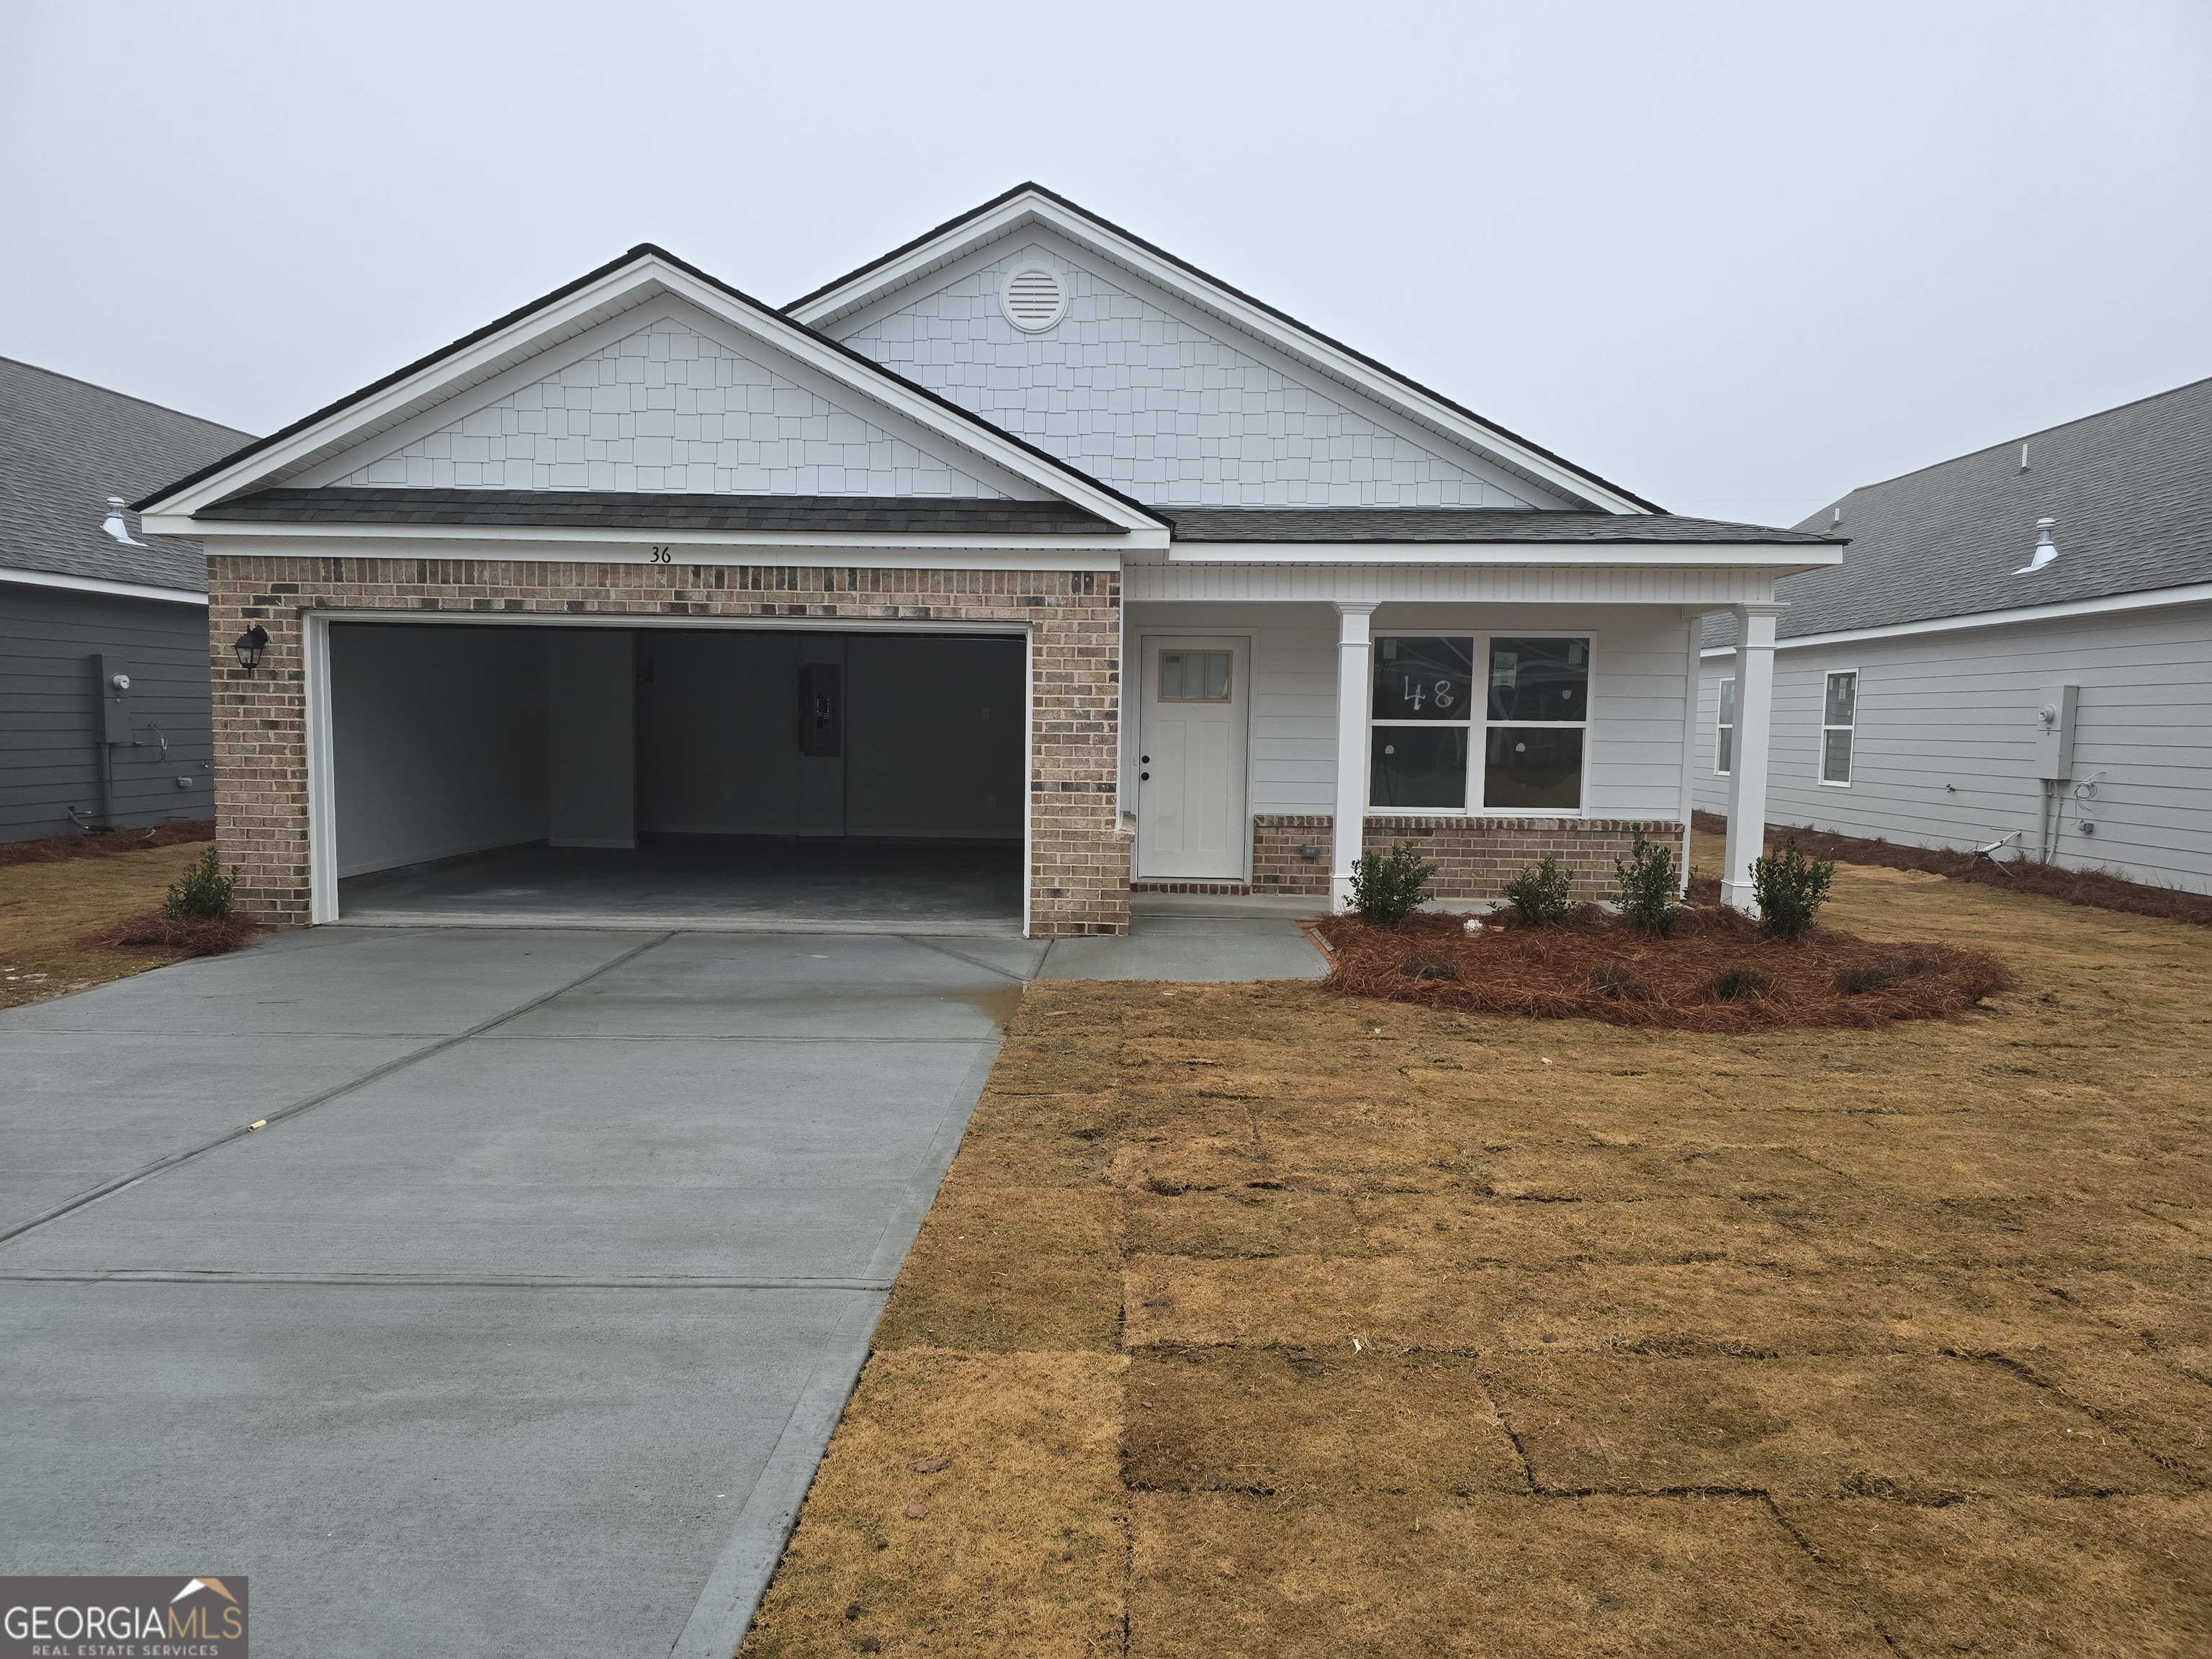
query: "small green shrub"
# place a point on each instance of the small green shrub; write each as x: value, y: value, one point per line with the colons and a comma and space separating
x: 1387, y: 887
x: 1647, y: 886
x: 1616, y: 982
x: 1736, y: 984
x: 1422, y: 965
x: 1790, y: 888
x: 203, y: 892
x: 1878, y: 975
x: 1539, y: 896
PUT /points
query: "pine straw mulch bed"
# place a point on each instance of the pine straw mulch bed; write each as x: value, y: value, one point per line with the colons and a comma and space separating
x: 2098, y: 889
x: 191, y: 936
x: 1715, y: 972
x: 56, y: 849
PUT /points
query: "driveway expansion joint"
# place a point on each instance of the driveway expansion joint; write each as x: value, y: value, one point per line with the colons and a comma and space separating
x: 269, y: 1119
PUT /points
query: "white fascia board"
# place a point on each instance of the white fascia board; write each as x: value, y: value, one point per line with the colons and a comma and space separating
x: 101, y: 584
x: 1331, y: 359
x: 2157, y: 598
x: 523, y: 545
x: 1780, y: 561
x: 572, y: 311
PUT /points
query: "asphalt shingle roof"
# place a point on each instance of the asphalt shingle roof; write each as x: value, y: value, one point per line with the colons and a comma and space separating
x: 2130, y: 489
x: 583, y: 509
x: 1444, y: 524
x: 66, y: 446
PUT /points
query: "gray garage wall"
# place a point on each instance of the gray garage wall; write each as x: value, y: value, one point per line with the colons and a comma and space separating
x: 591, y: 736
x: 439, y: 741
x: 717, y: 737
x: 50, y: 721
x: 1944, y: 741
x: 934, y: 737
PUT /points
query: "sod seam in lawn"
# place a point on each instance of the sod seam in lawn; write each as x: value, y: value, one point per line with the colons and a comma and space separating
x: 1255, y: 1320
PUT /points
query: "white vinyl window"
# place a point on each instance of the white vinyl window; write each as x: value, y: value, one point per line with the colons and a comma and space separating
x: 1838, y: 722
x: 1529, y: 702
x: 1724, y: 732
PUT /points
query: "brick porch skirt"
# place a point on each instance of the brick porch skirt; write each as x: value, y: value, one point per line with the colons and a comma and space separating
x: 1474, y: 857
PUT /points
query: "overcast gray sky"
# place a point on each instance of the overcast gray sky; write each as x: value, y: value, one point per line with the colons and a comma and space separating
x: 1738, y: 258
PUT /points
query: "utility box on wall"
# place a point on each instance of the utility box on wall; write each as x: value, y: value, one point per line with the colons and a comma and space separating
x: 2054, y: 732
x: 113, y: 684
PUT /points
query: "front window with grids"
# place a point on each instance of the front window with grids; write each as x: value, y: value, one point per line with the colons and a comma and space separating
x: 1463, y: 723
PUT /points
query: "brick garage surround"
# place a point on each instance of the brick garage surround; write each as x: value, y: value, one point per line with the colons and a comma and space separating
x: 1474, y: 857
x: 1079, y: 859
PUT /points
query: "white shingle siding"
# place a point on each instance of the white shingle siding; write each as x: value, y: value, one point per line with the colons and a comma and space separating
x: 1168, y: 413
x: 1960, y: 708
x: 667, y: 408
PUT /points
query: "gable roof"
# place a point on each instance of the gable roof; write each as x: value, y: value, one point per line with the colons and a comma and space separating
x: 66, y: 446
x: 2130, y: 489
x: 1028, y: 204
x: 644, y: 273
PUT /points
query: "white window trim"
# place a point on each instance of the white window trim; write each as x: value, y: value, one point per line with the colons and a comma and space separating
x: 1477, y: 753
x: 1724, y: 689
x: 1820, y: 754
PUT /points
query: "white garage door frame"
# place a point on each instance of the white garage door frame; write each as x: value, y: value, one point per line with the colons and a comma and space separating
x: 322, y: 776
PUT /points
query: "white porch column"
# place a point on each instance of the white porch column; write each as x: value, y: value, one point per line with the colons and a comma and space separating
x: 1694, y: 671
x: 1353, y: 654
x: 1754, y: 698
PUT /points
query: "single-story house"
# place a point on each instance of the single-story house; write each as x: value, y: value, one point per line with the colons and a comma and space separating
x: 103, y: 712
x: 2015, y: 654
x: 649, y: 562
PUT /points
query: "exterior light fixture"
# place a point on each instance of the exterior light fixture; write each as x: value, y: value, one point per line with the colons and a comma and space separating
x: 250, y: 644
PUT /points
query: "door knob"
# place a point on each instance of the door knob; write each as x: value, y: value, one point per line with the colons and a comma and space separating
x: 1144, y: 777
x: 1145, y: 759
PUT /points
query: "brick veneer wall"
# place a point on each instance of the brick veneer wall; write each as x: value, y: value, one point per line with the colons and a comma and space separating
x: 1474, y: 857
x: 1079, y: 859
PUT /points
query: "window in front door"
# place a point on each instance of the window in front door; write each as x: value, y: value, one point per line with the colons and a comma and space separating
x: 1194, y: 676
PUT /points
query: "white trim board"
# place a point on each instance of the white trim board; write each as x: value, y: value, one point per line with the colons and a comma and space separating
x: 2157, y: 598
x: 529, y: 544
x: 101, y: 584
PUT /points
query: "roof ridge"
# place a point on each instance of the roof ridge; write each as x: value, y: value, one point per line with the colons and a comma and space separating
x: 2007, y: 443
x: 128, y: 397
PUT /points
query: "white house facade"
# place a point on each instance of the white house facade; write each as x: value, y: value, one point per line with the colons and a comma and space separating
x: 2016, y: 652
x: 1026, y: 536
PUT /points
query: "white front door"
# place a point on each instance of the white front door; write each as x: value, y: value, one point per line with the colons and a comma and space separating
x: 1191, y: 823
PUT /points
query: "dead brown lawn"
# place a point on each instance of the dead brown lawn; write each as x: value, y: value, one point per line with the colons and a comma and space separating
x: 1258, y: 1321
x: 47, y: 908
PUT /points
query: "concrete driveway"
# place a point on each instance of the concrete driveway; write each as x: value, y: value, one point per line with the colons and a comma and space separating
x: 519, y: 1325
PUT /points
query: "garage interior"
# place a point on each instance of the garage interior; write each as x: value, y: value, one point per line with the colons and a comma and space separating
x: 728, y: 778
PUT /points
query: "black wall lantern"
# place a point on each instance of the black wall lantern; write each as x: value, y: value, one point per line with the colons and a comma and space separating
x: 250, y: 644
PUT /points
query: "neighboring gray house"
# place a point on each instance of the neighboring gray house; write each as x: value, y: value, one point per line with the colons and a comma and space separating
x: 85, y: 599
x: 2018, y: 644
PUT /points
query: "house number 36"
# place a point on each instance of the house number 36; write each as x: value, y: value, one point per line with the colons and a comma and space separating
x: 658, y: 553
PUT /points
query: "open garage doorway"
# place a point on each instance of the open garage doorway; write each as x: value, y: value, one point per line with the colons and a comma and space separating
x: 654, y: 777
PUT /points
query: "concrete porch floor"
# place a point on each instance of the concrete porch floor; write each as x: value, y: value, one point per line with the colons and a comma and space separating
x: 732, y: 883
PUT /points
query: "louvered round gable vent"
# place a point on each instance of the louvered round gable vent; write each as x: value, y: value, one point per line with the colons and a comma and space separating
x: 1034, y: 297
